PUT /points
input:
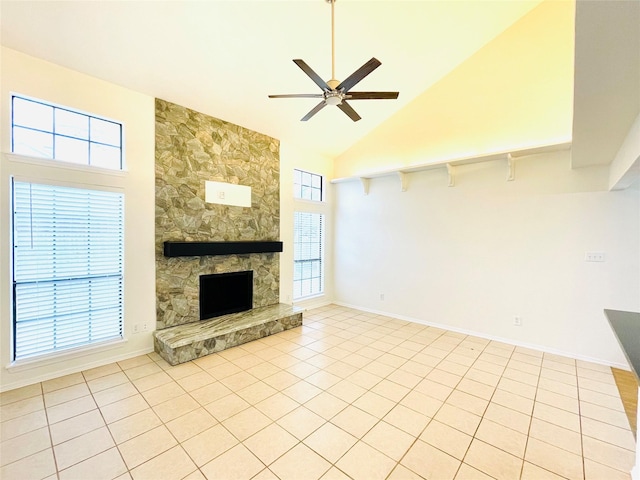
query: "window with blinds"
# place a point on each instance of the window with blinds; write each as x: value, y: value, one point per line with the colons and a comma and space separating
x: 308, y: 256
x: 68, y: 248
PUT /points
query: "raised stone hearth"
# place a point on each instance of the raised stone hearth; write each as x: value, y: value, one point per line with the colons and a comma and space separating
x: 187, y: 342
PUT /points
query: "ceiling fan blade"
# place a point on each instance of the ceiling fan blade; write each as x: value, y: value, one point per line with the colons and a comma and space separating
x: 372, y: 95
x: 346, y: 108
x: 315, y: 110
x: 298, y: 95
x: 359, y: 74
x: 312, y: 75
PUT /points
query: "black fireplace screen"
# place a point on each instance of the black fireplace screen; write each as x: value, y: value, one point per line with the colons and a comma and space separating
x: 222, y: 293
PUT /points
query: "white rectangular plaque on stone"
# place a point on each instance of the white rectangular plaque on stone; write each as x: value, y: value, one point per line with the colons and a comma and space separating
x: 227, y: 194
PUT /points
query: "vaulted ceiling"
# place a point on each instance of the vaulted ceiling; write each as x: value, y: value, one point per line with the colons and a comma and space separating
x: 224, y: 57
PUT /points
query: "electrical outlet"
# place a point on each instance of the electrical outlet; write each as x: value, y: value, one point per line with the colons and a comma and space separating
x: 145, y: 327
x: 594, y: 257
x: 136, y: 328
x: 517, y: 321
x: 382, y: 296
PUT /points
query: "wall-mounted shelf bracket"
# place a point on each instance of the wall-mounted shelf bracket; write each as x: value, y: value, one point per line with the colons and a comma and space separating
x: 451, y: 171
x: 365, y: 184
x: 404, y: 181
x: 511, y: 163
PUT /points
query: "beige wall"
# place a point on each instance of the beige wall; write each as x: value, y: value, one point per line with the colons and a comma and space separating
x: 32, y: 77
x: 513, y: 93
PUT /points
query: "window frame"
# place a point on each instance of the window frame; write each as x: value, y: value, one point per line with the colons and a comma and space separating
x: 308, y: 205
x: 309, y: 186
x: 101, y: 344
x: 56, y: 135
x: 33, y: 169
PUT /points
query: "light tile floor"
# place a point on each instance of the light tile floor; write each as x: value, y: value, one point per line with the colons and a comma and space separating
x: 348, y: 395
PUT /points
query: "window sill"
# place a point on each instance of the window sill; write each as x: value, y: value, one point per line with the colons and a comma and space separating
x: 304, y: 201
x: 49, y: 162
x: 67, y: 355
x: 309, y: 297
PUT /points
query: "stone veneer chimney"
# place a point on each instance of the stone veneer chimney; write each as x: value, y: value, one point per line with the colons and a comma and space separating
x: 191, y: 148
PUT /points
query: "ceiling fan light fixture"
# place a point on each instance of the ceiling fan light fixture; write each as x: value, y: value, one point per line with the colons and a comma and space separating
x: 335, y: 92
x: 333, y: 98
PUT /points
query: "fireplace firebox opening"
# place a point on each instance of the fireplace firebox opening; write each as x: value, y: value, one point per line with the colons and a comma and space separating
x: 223, y: 293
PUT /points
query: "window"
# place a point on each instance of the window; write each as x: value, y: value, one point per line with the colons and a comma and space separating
x: 308, y: 242
x: 308, y: 270
x: 39, y: 129
x: 307, y: 186
x: 67, y: 267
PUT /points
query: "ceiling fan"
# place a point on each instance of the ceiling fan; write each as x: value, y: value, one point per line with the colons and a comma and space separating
x: 335, y: 92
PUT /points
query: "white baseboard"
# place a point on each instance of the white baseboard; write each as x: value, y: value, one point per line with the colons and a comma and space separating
x: 314, y: 302
x: 68, y: 371
x: 539, y: 348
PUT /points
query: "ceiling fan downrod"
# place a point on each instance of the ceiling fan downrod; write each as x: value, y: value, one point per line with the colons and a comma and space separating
x: 333, y: 45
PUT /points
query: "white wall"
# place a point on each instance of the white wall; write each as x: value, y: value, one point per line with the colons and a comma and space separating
x: 36, y: 78
x: 293, y: 157
x: 625, y: 168
x: 473, y: 256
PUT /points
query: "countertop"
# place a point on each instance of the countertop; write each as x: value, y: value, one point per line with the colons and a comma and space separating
x: 626, y: 326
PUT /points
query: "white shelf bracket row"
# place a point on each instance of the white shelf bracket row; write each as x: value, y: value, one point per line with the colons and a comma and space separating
x: 451, y: 171
x: 365, y: 184
x: 404, y: 181
x: 511, y: 164
x: 451, y: 164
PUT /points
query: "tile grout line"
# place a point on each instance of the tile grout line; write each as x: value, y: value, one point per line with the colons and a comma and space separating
x: 484, y: 411
x: 106, y: 425
x: 584, y: 466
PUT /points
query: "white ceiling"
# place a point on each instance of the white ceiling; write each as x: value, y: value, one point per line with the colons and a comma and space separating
x: 224, y: 57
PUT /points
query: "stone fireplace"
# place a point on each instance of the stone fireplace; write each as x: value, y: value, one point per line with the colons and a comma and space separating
x: 192, y: 148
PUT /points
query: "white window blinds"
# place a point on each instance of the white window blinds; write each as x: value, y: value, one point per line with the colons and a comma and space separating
x: 308, y: 256
x: 68, y: 248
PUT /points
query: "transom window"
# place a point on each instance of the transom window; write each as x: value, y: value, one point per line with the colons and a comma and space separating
x: 307, y: 186
x: 40, y: 129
